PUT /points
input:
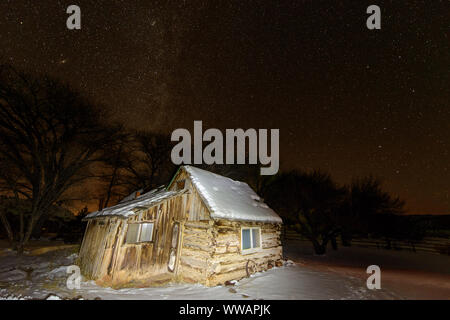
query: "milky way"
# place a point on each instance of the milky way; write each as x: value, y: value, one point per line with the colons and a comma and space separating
x: 346, y: 99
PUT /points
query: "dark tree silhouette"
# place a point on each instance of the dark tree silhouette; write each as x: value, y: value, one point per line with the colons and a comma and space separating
x: 309, y: 201
x: 147, y: 164
x: 370, y: 211
x: 367, y: 201
x: 49, y: 137
x: 111, y: 187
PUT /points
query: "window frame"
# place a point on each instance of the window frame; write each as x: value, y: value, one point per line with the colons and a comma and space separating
x: 252, y: 249
x: 139, y: 233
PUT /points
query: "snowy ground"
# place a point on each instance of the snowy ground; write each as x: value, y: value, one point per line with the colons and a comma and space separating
x: 405, y: 274
x: 41, y: 274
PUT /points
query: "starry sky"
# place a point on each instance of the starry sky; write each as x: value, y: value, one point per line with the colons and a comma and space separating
x: 348, y: 100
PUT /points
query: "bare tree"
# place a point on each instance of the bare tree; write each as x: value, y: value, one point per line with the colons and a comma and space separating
x: 137, y: 161
x: 112, y: 186
x: 147, y: 164
x: 49, y: 138
x: 370, y: 210
x: 310, y: 202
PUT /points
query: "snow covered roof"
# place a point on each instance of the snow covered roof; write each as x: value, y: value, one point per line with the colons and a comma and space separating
x: 132, y: 195
x: 125, y: 208
x: 224, y: 197
x: 230, y: 199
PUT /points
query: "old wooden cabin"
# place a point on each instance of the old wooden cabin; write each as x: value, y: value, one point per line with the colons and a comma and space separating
x: 202, y: 228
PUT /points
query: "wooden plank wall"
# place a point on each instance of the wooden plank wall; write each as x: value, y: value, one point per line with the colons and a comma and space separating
x: 140, y: 261
x: 97, y: 245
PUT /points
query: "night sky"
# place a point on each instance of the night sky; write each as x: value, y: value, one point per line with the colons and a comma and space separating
x: 346, y: 99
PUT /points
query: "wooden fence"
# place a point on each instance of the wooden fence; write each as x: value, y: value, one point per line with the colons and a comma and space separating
x: 428, y: 244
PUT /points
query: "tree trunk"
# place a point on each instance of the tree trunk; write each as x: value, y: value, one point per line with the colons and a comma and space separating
x: 334, y: 244
x: 319, y: 248
x: 8, y: 229
x: 110, y: 187
x: 100, y: 204
x: 346, y: 240
x: 37, y: 229
x: 21, y: 227
x: 23, y: 241
x: 388, y: 244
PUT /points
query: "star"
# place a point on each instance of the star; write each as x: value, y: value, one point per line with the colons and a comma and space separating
x: 354, y: 102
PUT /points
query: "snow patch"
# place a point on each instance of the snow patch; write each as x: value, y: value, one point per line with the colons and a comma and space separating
x: 13, y: 275
x: 72, y: 257
x: 58, y: 272
x: 5, y: 295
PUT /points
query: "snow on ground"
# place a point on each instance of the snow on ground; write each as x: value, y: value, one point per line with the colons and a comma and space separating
x: 43, y: 276
x: 288, y: 282
x: 407, y: 274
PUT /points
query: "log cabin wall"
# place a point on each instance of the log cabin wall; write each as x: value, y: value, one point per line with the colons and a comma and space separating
x: 196, y: 245
x: 211, y: 249
x: 229, y: 263
x: 197, y: 240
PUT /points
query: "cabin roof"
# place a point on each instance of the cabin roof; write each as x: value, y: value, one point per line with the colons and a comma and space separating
x: 230, y: 199
x: 225, y: 198
x: 125, y: 208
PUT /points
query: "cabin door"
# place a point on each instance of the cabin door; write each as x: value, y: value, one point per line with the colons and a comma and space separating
x: 174, y: 247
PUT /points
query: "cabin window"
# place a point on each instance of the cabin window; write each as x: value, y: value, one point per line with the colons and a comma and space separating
x: 256, y: 241
x: 146, y: 232
x: 132, y: 233
x: 250, y: 239
x: 139, y: 232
